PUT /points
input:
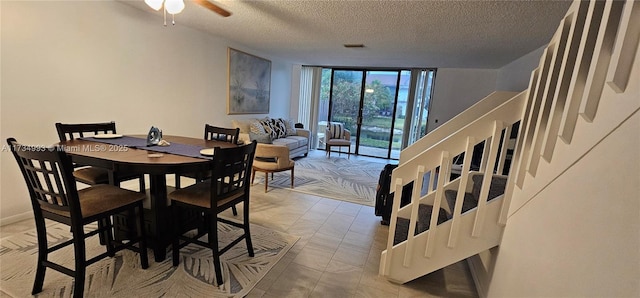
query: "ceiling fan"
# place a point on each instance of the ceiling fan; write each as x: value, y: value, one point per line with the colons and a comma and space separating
x: 213, y: 7
x: 176, y: 6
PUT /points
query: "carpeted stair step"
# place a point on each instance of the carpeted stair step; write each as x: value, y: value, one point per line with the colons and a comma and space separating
x: 424, y: 218
x: 498, y: 185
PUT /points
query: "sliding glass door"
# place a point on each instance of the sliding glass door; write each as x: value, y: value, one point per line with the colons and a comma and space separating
x: 365, y: 101
x: 385, y: 110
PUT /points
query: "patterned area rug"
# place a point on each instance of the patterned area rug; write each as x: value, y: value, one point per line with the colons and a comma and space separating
x: 339, y: 178
x: 122, y: 275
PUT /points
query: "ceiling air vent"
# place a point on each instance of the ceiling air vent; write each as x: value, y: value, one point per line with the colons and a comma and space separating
x: 353, y: 45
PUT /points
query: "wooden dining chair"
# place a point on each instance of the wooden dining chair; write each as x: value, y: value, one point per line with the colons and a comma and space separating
x: 228, y: 186
x: 94, y: 175
x: 213, y: 133
x: 48, y: 173
x: 221, y: 134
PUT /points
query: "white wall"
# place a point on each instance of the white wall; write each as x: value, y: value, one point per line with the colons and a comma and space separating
x: 515, y: 75
x: 104, y: 60
x: 457, y: 89
x: 579, y: 237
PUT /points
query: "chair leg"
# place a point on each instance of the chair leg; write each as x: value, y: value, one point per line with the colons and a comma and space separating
x: 42, y: 255
x: 266, y: 181
x: 175, y: 246
x: 234, y: 210
x: 144, y: 259
x: 247, y: 231
x: 142, y: 184
x: 253, y: 175
x: 292, y: 177
x: 109, y: 235
x: 213, y: 244
x: 328, y: 150
x: 177, y: 181
x: 80, y: 261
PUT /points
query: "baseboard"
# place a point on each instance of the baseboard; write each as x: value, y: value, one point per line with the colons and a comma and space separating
x: 16, y: 218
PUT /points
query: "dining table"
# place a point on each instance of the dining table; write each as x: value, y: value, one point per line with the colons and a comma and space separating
x: 130, y: 154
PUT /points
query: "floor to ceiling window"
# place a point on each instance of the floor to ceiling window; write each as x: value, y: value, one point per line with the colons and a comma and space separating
x: 373, y: 105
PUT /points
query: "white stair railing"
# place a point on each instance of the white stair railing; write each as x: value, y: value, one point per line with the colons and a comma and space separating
x: 592, y: 56
x: 475, y: 111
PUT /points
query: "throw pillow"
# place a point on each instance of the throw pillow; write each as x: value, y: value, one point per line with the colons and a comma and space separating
x: 279, y: 127
x: 291, y: 129
x: 257, y: 128
x: 268, y: 127
x: 260, y: 138
x: 243, y: 125
x: 336, y: 130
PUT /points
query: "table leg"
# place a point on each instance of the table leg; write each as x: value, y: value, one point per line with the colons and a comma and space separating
x: 160, y: 216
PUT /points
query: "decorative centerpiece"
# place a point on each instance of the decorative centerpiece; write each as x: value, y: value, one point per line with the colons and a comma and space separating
x: 154, y: 137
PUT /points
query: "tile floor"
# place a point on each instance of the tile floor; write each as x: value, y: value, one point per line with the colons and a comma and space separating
x: 338, y: 253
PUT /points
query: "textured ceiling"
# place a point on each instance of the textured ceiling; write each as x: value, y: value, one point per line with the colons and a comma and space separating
x: 455, y: 34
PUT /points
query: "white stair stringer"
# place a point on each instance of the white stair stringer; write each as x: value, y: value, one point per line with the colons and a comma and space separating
x: 443, y: 256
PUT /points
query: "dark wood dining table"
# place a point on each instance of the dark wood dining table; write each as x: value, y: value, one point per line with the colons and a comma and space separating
x: 121, y: 159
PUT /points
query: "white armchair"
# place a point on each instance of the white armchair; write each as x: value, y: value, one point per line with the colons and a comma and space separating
x: 270, y: 159
x: 337, y: 136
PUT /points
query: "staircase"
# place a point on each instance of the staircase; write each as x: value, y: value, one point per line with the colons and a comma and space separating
x: 581, y: 90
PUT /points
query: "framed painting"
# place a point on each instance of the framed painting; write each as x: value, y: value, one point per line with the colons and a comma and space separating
x: 249, y: 83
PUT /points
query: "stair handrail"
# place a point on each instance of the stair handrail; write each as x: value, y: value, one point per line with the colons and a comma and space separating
x: 478, y: 109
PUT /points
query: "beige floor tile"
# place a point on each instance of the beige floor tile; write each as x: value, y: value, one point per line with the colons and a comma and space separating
x: 337, y: 225
x: 322, y: 207
x: 325, y: 242
x: 296, y: 281
x: 351, y: 255
x: 256, y: 293
x: 348, y: 208
x: 338, y: 280
x: 371, y: 279
x: 313, y: 258
x: 358, y: 240
x: 270, y: 278
x: 365, y: 291
x: 318, y: 218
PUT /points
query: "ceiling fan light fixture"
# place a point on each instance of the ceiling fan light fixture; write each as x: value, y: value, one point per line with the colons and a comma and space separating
x: 155, y: 4
x: 174, y: 6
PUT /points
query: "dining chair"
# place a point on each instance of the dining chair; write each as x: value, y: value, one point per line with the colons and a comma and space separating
x: 337, y: 136
x: 221, y: 133
x: 48, y: 173
x: 272, y: 159
x: 94, y: 175
x: 228, y: 186
x: 213, y: 133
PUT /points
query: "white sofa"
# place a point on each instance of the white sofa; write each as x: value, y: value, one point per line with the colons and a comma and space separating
x: 297, y: 143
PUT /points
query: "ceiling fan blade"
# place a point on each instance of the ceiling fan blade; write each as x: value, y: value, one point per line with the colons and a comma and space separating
x: 215, y: 8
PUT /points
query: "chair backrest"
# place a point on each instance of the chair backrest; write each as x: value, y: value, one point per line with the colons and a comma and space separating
x: 72, y: 131
x: 48, y: 175
x: 221, y: 134
x: 231, y: 169
x: 335, y: 130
